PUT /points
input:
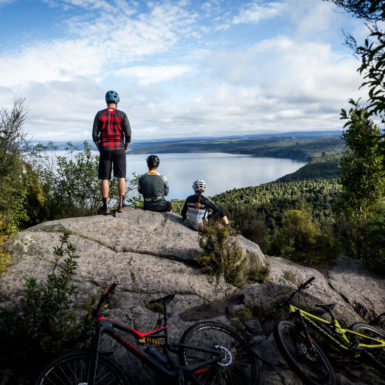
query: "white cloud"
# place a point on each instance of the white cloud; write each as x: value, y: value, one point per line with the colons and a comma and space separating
x: 173, y: 78
x: 148, y: 75
x: 254, y: 12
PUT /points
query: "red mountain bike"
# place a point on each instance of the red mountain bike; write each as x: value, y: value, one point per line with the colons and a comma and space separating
x: 208, y: 353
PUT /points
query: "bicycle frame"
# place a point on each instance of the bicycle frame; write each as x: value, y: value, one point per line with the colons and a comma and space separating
x: 335, y: 332
x: 165, y: 364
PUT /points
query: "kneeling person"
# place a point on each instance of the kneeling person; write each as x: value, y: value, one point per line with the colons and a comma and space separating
x: 154, y: 187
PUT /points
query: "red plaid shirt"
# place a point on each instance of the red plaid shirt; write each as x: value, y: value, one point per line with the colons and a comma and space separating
x: 111, y: 129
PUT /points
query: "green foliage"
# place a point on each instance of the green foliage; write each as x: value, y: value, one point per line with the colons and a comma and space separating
x: 21, y: 195
x: 301, y: 240
x: 45, y: 322
x: 361, y: 199
x: 258, y: 211
x: 221, y: 255
x: 363, y: 186
x: 326, y: 167
x: 364, y: 213
x: 71, y: 185
x: 244, y: 314
x: 304, y: 149
x: 371, y: 10
x: 259, y: 274
x: 5, y: 257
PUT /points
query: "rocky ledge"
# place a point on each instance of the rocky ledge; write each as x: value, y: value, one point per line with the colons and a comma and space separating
x: 152, y: 254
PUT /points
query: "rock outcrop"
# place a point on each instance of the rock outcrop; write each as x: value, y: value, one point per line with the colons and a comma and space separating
x: 152, y: 254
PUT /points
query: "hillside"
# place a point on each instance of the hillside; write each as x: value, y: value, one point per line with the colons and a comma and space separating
x: 151, y: 255
x: 304, y: 149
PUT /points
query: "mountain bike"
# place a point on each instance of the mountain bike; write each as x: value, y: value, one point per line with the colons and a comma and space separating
x: 303, y: 353
x: 208, y: 352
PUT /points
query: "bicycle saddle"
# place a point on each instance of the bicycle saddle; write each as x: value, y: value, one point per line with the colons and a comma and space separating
x: 327, y: 307
x: 168, y: 298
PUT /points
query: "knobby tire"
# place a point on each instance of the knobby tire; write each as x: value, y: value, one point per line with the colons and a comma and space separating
x: 311, y: 365
x: 374, y: 355
x: 239, y: 365
x: 72, y: 369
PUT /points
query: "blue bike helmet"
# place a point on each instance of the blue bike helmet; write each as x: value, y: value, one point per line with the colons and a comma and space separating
x: 112, y: 97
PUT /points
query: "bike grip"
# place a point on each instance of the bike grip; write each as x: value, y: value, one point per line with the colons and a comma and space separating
x: 112, y: 288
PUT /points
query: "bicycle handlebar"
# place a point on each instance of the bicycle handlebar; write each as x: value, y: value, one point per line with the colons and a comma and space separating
x: 301, y: 287
x: 307, y: 283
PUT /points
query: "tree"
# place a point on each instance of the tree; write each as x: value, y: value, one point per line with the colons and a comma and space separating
x: 371, y: 10
x: 20, y: 189
x: 372, y: 69
x: 363, y: 186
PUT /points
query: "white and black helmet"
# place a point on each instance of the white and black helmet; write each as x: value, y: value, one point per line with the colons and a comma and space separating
x: 199, y: 185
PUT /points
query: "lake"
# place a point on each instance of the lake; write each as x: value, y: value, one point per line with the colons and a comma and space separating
x: 221, y: 171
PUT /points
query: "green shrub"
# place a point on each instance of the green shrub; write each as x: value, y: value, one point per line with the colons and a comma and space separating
x: 221, y: 255
x: 46, y: 321
x: 259, y: 274
x: 301, y: 239
x: 244, y: 314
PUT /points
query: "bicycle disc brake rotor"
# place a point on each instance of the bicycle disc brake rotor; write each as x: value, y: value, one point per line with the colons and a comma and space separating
x: 306, y: 352
x: 227, y: 358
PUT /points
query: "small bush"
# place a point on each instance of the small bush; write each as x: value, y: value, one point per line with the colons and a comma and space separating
x: 221, y: 255
x: 259, y: 274
x: 46, y: 321
x: 244, y: 314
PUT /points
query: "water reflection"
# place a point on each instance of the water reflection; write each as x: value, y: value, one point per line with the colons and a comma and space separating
x: 221, y: 171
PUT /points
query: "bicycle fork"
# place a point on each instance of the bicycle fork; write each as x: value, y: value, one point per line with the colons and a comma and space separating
x: 94, y: 356
x: 306, y: 330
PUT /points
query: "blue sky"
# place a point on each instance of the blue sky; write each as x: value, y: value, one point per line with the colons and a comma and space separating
x: 182, y: 68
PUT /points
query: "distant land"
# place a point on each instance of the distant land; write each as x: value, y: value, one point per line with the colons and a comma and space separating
x: 304, y: 146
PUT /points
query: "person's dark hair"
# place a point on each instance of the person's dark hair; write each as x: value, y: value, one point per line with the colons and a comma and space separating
x: 153, y: 161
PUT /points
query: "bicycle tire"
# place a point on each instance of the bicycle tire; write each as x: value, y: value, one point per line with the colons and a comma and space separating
x: 376, y: 355
x: 238, y: 366
x: 72, y: 369
x: 312, y: 366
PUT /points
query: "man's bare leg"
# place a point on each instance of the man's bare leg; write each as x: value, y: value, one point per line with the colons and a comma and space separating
x: 105, y: 188
x: 122, y: 186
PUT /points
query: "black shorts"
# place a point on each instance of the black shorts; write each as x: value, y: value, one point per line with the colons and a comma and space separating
x: 160, y: 205
x: 117, y: 158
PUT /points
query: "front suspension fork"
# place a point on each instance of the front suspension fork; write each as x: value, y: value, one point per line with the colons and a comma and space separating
x: 305, y: 329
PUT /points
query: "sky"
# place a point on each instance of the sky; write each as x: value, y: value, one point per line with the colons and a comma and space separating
x: 182, y: 68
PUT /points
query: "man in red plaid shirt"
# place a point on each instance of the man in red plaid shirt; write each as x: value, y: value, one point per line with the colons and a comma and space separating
x: 112, y: 135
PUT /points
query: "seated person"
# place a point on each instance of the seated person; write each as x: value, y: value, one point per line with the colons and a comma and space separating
x: 198, y: 208
x: 154, y: 187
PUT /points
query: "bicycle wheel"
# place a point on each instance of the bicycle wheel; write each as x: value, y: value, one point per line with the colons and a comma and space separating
x: 311, y: 364
x: 376, y: 355
x: 72, y: 369
x: 238, y: 365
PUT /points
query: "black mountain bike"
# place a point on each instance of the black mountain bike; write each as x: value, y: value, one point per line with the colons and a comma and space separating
x: 208, y: 353
x: 361, y: 341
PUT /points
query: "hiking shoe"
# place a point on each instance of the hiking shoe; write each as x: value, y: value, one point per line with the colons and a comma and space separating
x: 103, y: 211
x: 120, y: 209
x: 232, y: 231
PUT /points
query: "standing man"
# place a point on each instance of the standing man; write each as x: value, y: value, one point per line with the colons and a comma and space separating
x: 112, y: 136
x: 154, y: 187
